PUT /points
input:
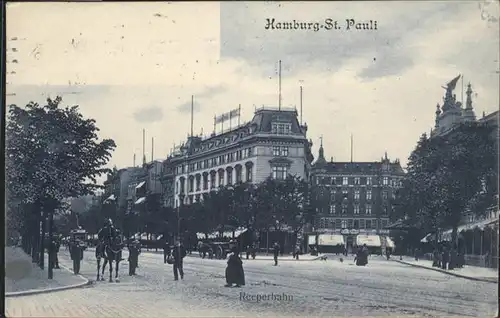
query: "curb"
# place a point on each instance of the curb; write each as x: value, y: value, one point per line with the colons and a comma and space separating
x: 450, y: 273
x: 85, y: 282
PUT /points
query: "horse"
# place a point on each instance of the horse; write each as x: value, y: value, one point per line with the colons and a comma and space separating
x: 113, y: 252
x: 99, y: 254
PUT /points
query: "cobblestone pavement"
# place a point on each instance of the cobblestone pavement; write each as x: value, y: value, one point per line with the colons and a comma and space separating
x: 327, y: 289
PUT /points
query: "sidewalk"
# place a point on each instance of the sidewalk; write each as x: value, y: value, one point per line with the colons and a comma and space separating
x: 468, y: 272
x: 22, y: 277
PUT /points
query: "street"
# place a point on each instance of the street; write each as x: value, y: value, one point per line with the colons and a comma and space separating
x: 313, y: 288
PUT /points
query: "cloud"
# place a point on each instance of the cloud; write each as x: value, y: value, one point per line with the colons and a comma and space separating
x: 149, y: 115
x: 386, y: 103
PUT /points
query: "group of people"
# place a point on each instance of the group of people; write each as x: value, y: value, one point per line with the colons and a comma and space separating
x: 448, y: 258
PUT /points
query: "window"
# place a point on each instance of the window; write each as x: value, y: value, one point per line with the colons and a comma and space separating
x: 384, y: 195
x: 205, y: 182
x: 280, y: 172
x: 338, y: 224
x: 356, y: 181
x: 281, y: 128
x: 385, y: 211
x: 362, y: 224
x: 386, y: 180
x: 356, y: 209
x: 280, y: 151
x: 221, y: 179
x: 230, y: 177
x: 344, y: 224
x: 238, y: 175
x: 249, y: 174
x: 226, y: 158
x: 345, y: 181
x: 212, y: 181
x: 333, y: 180
x: 344, y: 209
x: 239, y: 154
x: 368, y: 209
x: 345, y: 194
x: 276, y: 150
x: 356, y: 224
x: 356, y: 194
x: 198, y: 183
x: 349, y: 223
x: 332, y: 195
x: 331, y: 224
x: 368, y: 194
x: 369, y: 181
x: 322, y: 223
x: 249, y: 150
x: 284, y: 152
x: 368, y: 224
x: 191, y: 184
x: 332, y: 209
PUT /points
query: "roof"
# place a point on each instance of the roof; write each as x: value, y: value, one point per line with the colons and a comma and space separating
x: 360, y: 167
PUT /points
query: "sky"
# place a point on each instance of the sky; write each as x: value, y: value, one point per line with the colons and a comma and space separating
x: 135, y: 66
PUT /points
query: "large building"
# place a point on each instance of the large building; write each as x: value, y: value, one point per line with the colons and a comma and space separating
x: 355, y: 199
x: 272, y: 144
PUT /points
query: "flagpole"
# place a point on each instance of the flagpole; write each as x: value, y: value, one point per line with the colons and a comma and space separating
x: 192, y: 114
x: 239, y: 114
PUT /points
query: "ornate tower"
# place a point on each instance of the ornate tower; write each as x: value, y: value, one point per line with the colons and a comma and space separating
x: 321, y: 157
x: 468, y: 112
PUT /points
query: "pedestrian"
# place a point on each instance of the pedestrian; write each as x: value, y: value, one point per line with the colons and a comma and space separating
x: 297, y: 252
x: 134, y: 249
x: 445, y: 257
x: 276, y: 252
x: 54, y: 249
x: 387, y: 253
x: 166, y: 250
x: 76, y: 253
x: 361, y: 258
x: 435, y: 258
x: 178, y: 253
x: 235, y: 275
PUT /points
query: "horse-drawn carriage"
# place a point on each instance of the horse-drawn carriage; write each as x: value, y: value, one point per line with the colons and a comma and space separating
x: 215, y: 249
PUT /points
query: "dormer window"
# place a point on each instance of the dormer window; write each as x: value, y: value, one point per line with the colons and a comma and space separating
x: 281, y: 128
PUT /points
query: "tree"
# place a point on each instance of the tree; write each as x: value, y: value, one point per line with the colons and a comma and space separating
x: 448, y: 175
x: 52, y: 153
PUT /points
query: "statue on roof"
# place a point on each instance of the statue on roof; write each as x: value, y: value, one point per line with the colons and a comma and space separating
x: 449, y: 98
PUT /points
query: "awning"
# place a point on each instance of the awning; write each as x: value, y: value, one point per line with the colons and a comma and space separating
x: 140, y: 200
x: 446, y: 236
x: 140, y: 185
x: 227, y: 234
x: 390, y: 242
x: 330, y: 240
x: 311, y: 240
x: 427, y: 238
x: 369, y: 240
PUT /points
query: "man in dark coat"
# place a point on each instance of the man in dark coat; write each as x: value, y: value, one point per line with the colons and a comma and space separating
x: 276, y: 252
x: 234, y: 270
x: 76, y: 253
x: 361, y: 258
x: 445, y: 258
x: 134, y: 249
x: 55, y: 249
x: 178, y: 253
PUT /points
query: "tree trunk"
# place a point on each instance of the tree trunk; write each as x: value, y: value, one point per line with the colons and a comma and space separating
x: 42, y: 238
x: 51, y: 224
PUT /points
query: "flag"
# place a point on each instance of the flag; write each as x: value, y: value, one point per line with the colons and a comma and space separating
x: 222, y: 118
x: 234, y: 113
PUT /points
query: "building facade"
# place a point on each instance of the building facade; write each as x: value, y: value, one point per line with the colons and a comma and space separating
x: 355, y: 198
x: 272, y: 144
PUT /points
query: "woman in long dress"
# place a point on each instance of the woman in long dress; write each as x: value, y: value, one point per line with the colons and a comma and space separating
x: 235, y: 274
